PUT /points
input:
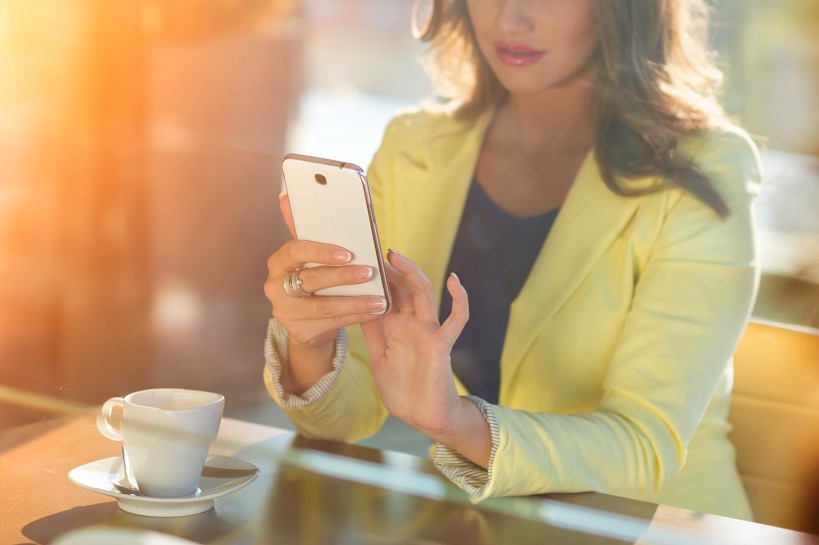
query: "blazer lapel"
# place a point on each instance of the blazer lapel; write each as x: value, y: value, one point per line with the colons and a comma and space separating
x: 431, y: 195
x: 587, y: 224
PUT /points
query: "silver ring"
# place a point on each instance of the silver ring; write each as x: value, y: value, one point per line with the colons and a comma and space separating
x: 292, y: 284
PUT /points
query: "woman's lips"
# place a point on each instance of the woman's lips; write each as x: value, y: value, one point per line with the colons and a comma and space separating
x: 517, y: 55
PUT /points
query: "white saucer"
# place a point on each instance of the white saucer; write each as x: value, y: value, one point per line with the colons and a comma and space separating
x: 222, y: 475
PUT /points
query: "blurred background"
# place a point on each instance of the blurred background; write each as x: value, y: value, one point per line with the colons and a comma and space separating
x: 140, y: 144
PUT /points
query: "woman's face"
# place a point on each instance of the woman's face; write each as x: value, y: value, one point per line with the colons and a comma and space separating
x: 533, y: 45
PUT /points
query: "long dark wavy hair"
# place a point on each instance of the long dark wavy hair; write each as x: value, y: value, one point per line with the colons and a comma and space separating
x: 656, y: 84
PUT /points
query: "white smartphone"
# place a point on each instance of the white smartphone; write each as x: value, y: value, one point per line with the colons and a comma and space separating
x: 330, y: 201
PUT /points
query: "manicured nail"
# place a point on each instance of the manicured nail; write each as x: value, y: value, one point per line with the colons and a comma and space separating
x: 396, y: 252
x: 342, y: 256
x: 456, y: 277
x: 377, y: 303
x: 363, y: 273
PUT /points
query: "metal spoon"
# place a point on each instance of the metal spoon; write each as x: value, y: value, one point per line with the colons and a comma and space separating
x: 124, y: 489
x: 128, y: 484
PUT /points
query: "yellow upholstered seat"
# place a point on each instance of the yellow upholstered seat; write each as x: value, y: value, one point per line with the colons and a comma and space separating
x: 775, y: 418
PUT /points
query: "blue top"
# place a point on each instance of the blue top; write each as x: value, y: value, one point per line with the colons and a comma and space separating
x: 493, y: 254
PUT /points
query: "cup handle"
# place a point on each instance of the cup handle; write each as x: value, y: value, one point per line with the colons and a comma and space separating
x: 104, y: 419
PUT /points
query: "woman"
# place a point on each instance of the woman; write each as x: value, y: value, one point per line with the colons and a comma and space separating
x: 587, y: 187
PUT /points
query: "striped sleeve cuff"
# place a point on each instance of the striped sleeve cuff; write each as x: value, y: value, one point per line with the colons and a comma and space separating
x: 275, y: 357
x: 469, y: 476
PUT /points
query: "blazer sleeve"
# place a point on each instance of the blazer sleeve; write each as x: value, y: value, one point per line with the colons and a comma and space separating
x: 688, y: 312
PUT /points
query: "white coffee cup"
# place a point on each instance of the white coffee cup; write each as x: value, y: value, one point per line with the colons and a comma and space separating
x: 166, y: 434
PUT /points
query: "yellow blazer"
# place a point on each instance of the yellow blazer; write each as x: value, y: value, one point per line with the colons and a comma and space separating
x: 616, y: 368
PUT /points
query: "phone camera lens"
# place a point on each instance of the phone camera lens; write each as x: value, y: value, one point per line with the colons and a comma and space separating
x: 320, y: 179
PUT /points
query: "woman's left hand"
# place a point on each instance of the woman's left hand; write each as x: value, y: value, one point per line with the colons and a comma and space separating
x: 410, y: 352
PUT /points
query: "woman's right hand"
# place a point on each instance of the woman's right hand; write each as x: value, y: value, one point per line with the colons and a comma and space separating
x: 314, y: 321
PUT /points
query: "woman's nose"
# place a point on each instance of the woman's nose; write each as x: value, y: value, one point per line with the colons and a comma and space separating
x: 514, y: 16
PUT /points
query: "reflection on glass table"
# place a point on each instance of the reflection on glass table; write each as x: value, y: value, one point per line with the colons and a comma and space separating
x: 330, y: 493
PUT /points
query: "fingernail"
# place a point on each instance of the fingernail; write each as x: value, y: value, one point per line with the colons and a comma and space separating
x: 377, y: 303
x: 363, y: 273
x: 342, y: 256
x: 396, y: 252
x: 456, y: 276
